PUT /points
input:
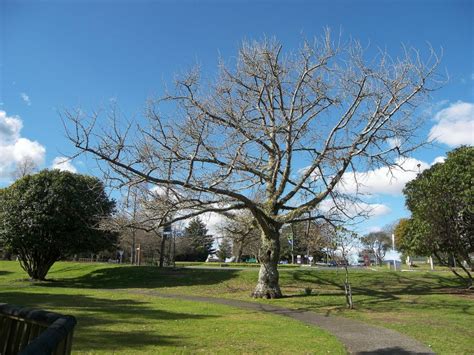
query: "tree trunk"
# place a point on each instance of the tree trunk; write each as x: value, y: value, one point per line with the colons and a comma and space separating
x: 348, y: 288
x: 238, y: 254
x: 267, y: 285
x: 37, y: 270
x: 162, y: 250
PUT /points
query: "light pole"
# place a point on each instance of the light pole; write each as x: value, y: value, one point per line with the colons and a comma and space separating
x: 393, y: 248
x: 138, y: 256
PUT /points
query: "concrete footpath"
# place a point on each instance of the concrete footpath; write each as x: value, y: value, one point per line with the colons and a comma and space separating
x: 358, y: 337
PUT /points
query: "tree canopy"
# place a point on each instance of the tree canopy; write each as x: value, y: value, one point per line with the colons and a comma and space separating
x: 378, y: 243
x: 52, y: 214
x: 441, y: 200
x: 225, y: 249
x: 275, y: 133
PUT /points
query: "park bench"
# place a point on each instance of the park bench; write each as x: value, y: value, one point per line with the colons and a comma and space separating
x: 28, y: 331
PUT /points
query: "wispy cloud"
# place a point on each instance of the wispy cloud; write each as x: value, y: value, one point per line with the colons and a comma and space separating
x: 356, y: 209
x: 26, y: 99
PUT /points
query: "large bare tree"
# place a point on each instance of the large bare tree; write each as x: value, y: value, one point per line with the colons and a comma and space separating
x: 274, y: 133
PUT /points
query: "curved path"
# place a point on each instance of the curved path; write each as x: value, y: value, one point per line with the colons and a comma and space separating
x: 358, y: 337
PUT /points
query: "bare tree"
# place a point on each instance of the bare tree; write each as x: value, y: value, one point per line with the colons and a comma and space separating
x: 24, y: 167
x: 242, y: 229
x: 143, y: 209
x: 308, y: 237
x: 344, y: 243
x: 283, y: 127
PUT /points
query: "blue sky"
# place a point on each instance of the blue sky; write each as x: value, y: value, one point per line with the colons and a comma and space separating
x: 66, y: 54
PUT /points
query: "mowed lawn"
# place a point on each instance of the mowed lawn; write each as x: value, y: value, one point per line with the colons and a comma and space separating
x: 429, y: 306
x: 116, y: 321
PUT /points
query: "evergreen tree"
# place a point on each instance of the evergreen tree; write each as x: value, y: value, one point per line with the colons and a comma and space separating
x: 53, y: 214
x: 225, y: 249
x: 196, y: 244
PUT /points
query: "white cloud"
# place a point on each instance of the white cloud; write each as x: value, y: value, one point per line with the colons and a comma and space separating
x: 63, y: 164
x: 455, y: 125
x: 158, y: 190
x: 213, y: 221
x: 438, y: 160
x: 383, y: 180
x: 374, y: 229
x: 376, y: 209
x: 26, y: 149
x: 303, y: 171
x: 14, y: 148
x: 356, y: 209
x: 25, y: 98
x: 10, y: 128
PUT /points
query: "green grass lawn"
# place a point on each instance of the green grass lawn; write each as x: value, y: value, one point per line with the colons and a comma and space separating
x: 116, y: 321
x: 429, y: 306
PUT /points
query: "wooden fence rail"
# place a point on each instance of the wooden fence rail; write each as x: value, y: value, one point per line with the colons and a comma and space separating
x: 28, y: 331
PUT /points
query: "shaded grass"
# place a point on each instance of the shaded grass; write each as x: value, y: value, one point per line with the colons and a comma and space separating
x: 221, y: 264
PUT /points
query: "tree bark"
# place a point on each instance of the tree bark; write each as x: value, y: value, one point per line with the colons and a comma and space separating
x: 238, y: 255
x: 37, y: 270
x: 267, y: 285
x: 348, y: 288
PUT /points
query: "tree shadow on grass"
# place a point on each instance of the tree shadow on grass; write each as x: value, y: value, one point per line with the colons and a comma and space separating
x: 106, y: 324
x: 390, y: 351
x: 3, y: 273
x: 390, y: 284
x: 384, y: 291
x: 141, y: 277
